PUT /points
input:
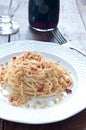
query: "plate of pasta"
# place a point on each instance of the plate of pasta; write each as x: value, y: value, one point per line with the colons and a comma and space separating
x: 40, y: 87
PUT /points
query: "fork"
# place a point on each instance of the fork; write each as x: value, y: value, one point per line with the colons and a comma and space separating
x: 60, y: 38
x: 61, y: 41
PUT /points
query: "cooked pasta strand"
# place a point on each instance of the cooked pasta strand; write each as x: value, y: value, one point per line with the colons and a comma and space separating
x: 32, y: 75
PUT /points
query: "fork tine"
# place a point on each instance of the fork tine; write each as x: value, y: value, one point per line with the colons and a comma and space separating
x: 59, y: 36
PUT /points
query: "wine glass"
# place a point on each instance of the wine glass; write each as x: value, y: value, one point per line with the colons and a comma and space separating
x: 8, y: 9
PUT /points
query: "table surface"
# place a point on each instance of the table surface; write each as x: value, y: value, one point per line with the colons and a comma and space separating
x: 72, y: 24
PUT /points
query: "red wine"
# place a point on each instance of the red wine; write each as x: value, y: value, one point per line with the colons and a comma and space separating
x: 43, y: 14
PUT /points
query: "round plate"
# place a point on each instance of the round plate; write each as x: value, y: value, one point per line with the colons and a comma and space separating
x: 71, y: 104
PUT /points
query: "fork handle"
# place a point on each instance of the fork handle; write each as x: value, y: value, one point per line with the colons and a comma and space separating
x: 79, y: 51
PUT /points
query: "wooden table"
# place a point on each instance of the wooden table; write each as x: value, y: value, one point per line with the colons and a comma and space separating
x: 72, y: 25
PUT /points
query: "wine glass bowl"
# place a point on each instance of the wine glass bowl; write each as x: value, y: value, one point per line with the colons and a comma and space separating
x: 8, y: 9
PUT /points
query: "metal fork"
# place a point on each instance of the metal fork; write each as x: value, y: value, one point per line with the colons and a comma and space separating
x: 61, y: 41
x: 60, y: 38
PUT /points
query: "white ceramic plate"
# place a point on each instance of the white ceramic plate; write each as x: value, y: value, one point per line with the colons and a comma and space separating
x: 71, y: 105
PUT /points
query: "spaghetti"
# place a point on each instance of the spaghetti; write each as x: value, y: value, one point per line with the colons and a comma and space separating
x: 31, y: 75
